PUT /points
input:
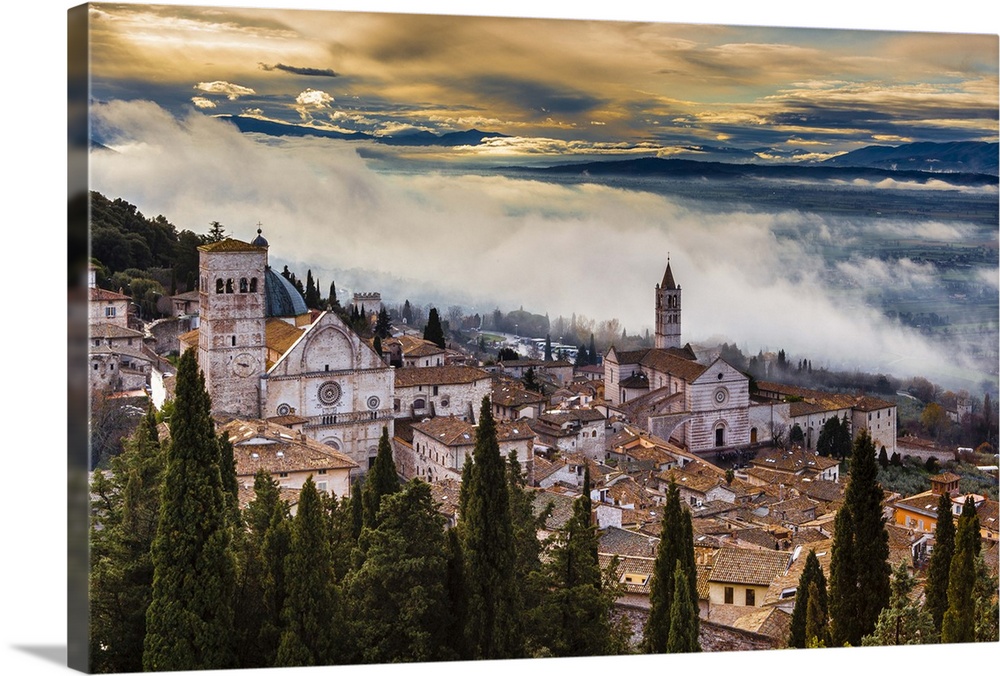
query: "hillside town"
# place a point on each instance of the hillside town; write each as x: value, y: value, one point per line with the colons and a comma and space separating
x: 305, y: 398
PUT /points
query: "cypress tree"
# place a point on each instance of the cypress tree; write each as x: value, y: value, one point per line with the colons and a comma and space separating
x: 812, y: 578
x: 126, y: 510
x: 860, y: 591
x: 433, y: 331
x: 676, y: 548
x: 958, y: 624
x: 357, y: 508
x: 189, y: 622
x: 307, y: 636
x: 902, y: 622
x: 457, y: 597
x: 548, y: 347
x: 494, y: 627
x: 398, y: 597
x: 936, y: 589
x: 382, y: 480
x: 683, y: 637
x: 592, y: 351
x: 815, y: 629
x: 332, y: 299
x: 383, y: 326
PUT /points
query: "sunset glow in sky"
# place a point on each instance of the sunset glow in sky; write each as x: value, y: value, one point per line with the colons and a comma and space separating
x: 579, y: 88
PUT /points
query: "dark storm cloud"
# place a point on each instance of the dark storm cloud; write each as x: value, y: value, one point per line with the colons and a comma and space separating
x: 296, y: 70
x: 540, y: 99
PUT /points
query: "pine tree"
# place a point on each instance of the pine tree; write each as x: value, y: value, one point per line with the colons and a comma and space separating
x: 936, y: 589
x: 958, y: 624
x: 398, y: 599
x: 859, y: 592
x: 812, y: 578
x: 676, y: 548
x: 382, y: 480
x: 548, y: 347
x: 307, y: 636
x: 126, y: 510
x: 903, y: 621
x: 407, y: 313
x: 332, y: 298
x: 189, y: 621
x: 592, y: 351
x: 494, y: 627
x: 433, y: 330
x: 216, y: 233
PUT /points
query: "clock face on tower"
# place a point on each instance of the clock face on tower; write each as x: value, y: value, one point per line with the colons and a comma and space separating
x: 244, y: 365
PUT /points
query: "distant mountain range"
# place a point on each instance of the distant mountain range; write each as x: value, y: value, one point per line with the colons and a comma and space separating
x: 691, y: 169
x: 415, y: 138
x: 974, y: 157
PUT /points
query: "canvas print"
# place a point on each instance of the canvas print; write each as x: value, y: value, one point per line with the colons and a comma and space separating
x: 427, y: 338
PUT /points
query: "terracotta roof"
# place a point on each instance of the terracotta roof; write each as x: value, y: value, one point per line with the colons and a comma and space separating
x: 105, y: 330
x: 98, y: 294
x: 279, y: 335
x: 946, y: 478
x: 439, y: 375
x: 663, y: 361
x: 794, y: 460
x: 448, y: 430
x: 513, y: 431
x: 445, y: 496
x: 617, y: 541
x: 562, y: 507
x: 756, y: 567
x: 505, y: 394
x: 261, y: 445
x: 229, y: 245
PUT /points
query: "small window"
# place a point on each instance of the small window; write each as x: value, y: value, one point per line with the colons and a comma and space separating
x: 229, y: 285
x: 435, y: 390
x: 729, y: 595
x: 283, y: 475
x: 234, y: 341
x: 220, y: 286
x: 109, y: 311
x: 244, y: 286
x: 751, y: 598
x: 253, y: 285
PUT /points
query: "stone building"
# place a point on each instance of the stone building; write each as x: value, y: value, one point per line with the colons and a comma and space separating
x: 265, y: 354
x: 440, y: 391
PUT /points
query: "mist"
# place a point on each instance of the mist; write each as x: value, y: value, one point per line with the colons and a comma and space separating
x: 758, y: 279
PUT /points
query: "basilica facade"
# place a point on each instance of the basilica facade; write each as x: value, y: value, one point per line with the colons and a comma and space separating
x: 266, y: 356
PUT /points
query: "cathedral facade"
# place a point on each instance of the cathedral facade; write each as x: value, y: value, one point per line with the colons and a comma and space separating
x: 266, y: 356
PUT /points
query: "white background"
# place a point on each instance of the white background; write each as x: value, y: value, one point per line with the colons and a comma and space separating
x: 33, y: 384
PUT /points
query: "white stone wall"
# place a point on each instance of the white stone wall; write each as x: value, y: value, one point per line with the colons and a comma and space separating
x: 881, y: 426
x: 718, y: 398
x: 761, y: 416
x: 462, y: 400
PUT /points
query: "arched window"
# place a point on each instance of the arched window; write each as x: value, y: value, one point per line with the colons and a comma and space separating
x: 243, y: 285
x: 720, y: 435
x: 253, y: 285
x: 220, y: 286
x: 229, y: 285
x: 419, y: 403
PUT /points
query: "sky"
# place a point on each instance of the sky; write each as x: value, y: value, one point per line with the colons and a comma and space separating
x: 554, y: 89
x: 419, y: 223
x: 34, y: 61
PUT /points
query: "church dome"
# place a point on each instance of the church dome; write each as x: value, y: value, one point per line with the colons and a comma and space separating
x: 259, y: 239
x: 283, y: 299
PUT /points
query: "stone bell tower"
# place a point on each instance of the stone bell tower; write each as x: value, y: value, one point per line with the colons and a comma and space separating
x: 231, y: 334
x: 668, y: 311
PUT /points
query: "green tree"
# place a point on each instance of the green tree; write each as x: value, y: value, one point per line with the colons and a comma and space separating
x: 216, y: 233
x: 834, y: 438
x: 683, y: 637
x: 936, y: 589
x: 311, y: 295
x: 126, y: 510
x: 530, y: 381
x: 494, y: 626
x: 189, y: 622
x: 815, y: 630
x: 811, y: 580
x: 382, y: 480
x: 676, y: 549
x: 398, y: 598
x: 548, y: 347
x: 332, y: 300
x: 958, y: 624
x: 383, y: 327
x: 574, y: 616
x: 934, y: 419
x: 311, y: 599
x: 903, y: 621
x: 433, y: 331
x: 859, y: 568
x: 796, y: 435
x: 256, y: 617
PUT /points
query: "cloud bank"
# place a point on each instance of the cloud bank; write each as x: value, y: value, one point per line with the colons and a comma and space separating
x: 492, y: 241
